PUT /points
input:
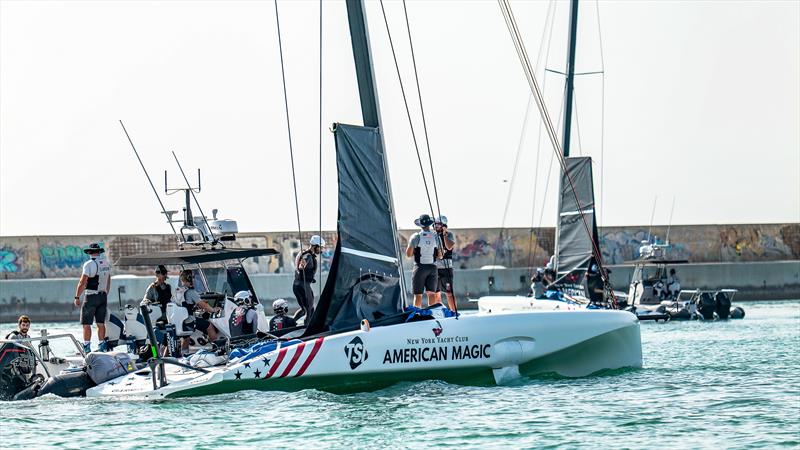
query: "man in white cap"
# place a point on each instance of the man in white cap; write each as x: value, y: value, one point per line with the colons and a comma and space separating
x: 95, y: 283
x: 305, y: 269
x: 424, y: 247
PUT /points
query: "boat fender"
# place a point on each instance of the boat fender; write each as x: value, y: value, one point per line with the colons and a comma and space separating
x: 72, y: 384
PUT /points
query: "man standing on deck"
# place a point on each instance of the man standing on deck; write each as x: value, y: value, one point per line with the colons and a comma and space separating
x: 444, y: 266
x: 95, y: 283
x: 424, y: 247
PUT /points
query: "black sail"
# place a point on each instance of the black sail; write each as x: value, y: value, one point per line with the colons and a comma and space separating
x: 364, y: 280
x: 573, y: 245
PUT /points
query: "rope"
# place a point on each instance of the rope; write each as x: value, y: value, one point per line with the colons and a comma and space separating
x: 602, y: 110
x: 288, y: 124
x: 408, y: 111
x: 516, y: 37
x: 319, y: 266
x: 421, y: 109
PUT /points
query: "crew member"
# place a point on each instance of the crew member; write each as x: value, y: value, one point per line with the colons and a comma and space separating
x: 23, y: 325
x: 673, y: 284
x: 537, y: 284
x: 94, y: 283
x: 424, y: 247
x: 594, y: 284
x: 280, y: 320
x: 159, y: 292
x: 192, y: 302
x: 305, y: 270
x: 444, y: 266
x: 244, y: 319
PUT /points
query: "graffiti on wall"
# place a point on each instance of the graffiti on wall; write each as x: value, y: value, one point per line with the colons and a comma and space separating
x: 9, y: 260
x: 62, y: 256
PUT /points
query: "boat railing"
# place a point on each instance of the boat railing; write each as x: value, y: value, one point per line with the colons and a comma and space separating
x: 44, y: 345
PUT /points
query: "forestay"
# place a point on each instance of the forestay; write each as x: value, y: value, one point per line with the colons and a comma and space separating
x: 573, y: 245
x: 364, y: 279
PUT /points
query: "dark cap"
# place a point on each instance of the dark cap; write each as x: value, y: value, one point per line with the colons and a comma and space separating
x: 161, y: 270
x: 424, y: 221
x: 94, y: 247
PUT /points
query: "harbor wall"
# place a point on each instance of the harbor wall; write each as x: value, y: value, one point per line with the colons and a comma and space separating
x: 30, y: 257
x: 51, y: 299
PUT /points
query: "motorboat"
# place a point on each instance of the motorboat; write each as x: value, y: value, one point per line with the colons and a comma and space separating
x: 655, y: 291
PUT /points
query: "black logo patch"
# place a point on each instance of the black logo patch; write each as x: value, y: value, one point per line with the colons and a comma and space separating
x: 356, y: 352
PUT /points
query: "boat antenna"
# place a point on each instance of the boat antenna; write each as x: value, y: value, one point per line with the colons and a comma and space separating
x: 214, y: 240
x: 167, y: 214
x: 652, y: 216
x: 672, y: 210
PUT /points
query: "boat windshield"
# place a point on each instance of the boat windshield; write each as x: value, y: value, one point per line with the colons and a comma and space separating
x: 224, y: 280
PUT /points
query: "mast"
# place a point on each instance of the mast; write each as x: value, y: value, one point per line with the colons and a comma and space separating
x: 370, y: 110
x: 573, y: 37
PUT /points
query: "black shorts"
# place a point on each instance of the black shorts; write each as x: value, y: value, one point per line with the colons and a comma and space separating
x: 94, y: 308
x: 424, y: 278
x: 446, y: 280
x: 201, y: 324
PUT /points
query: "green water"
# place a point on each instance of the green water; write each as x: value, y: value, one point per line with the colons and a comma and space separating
x: 704, y: 385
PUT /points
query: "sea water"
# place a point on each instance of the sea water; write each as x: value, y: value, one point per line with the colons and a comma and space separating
x: 732, y: 384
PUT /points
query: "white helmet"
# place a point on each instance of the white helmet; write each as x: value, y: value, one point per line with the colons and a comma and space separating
x: 243, y: 298
x: 317, y: 240
x: 442, y: 219
x: 280, y: 306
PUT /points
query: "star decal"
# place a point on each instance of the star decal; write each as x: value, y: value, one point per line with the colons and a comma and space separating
x: 258, y: 373
x: 247, y: 365
x: 238, y: 375
x: 266, y: 361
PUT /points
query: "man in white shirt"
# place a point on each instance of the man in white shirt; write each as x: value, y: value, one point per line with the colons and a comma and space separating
x: 95, y: 283
x: 424, y: 246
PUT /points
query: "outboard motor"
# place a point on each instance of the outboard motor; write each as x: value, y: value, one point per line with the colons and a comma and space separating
x: 723, y: 305
x: 737, y: 313
x: 17, y: 368
x: 706, y: 306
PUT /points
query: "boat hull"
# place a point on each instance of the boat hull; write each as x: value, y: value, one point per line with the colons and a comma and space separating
x: 481, y: 349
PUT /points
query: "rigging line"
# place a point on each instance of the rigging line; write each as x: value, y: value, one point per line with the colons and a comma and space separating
x: 163, y: 209
x: 422, y: 110
x: 577, y: 121
x: 288, y: 124
x: 408, y: 111
x: 550, y: 18
x: 516, y: 37
x: 602, y: 110
x: 319, y: 266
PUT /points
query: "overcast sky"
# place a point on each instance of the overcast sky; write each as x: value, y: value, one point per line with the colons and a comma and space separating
x: 702, y: 103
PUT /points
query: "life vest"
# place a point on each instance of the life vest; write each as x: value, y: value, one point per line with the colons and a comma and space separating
x: 94, y: 282
x: 280, y: 322
x: 237, y: 324
x: 425, y: 251
x: 307, y: 273
x: 163, y: 296
x: 16, y: 335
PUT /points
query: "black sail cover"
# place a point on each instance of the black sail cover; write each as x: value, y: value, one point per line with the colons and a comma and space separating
x: 364, y: 279
x: 573, y: 245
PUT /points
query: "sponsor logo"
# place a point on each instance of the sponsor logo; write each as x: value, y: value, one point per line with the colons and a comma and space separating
x: 356, y: 352
x: 437, y: 330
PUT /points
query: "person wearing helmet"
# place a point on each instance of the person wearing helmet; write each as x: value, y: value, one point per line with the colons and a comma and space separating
x: 94, y: 285
x: 424, y: 247
x: 444, y: 266
x: 280, y: 320
x: 594, y: 284
x: 305, y: 269
x: 244, y: 319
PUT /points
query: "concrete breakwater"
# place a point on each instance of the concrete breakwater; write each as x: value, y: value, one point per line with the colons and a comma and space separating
x: 51, y: 299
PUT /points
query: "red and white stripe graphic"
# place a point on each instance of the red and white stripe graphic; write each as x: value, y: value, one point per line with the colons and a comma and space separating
x: 297, y: 353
